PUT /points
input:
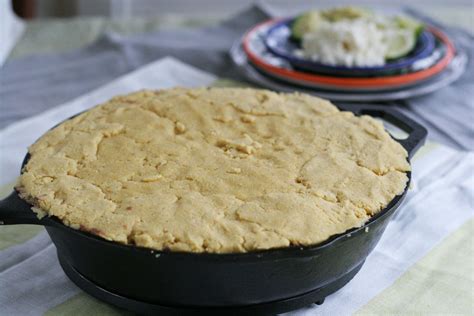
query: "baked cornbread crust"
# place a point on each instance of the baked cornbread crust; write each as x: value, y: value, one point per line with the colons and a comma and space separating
x: 214, y: 170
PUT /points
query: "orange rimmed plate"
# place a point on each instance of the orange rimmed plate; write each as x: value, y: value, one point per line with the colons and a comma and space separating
x: 272, y: 65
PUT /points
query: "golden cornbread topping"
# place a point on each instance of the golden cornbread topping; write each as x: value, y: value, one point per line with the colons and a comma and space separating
x: 214, y: 170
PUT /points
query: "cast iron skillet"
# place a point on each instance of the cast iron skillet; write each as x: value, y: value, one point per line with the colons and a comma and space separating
x: 222, y: 282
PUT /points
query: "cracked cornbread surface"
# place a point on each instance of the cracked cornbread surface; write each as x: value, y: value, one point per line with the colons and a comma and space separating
x: 214, y: 170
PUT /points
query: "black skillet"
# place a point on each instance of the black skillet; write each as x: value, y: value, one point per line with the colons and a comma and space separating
x: 261, y: 282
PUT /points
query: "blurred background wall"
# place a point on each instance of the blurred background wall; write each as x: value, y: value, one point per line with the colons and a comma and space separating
x: 133, y: 8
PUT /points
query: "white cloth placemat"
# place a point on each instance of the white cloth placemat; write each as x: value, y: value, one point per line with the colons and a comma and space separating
x: 440, y: 200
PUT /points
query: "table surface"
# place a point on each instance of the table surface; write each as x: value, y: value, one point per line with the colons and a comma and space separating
x: 441, y: 270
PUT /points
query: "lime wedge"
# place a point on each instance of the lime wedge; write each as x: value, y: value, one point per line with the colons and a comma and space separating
x: 345, y: 13
x: 307, y: 22
x: 399, y: 42
x: 407, y: 23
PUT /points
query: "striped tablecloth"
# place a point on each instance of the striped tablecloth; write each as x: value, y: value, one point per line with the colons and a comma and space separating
x: 424, y: 263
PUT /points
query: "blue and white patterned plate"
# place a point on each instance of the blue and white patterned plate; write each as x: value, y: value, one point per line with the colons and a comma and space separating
x: 278, y: 41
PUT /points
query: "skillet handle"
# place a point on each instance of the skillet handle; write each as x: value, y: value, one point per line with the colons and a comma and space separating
x: 416, y: 133
x: 14, y: 210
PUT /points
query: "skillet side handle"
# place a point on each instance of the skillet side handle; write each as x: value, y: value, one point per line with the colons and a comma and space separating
x: 14, y: 210
x: 416, y: 133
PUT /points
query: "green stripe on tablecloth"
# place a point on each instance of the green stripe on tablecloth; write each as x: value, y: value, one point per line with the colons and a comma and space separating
x: 422, y: 290
x: 229, y: 83
x: 425, y: 149
x: 85, y: 305
x: 15, y: 234
x: 5, y: 190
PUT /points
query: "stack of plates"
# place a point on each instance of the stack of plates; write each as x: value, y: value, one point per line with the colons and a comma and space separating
x: 268, y: 56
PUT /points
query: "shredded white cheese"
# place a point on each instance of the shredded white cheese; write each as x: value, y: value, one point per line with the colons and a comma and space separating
x: 347, y: 42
